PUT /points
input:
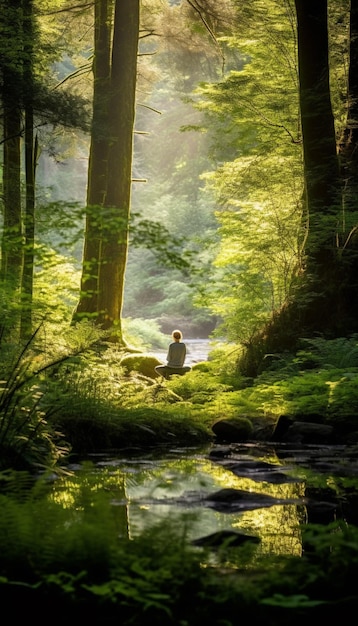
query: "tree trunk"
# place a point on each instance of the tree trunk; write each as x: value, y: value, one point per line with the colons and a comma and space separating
x: 348, y: 153
x: 320, y: 304
x: 122, y: 115
x: 30, y: 165
x: 98, y: 161
x: 11, y: 245
x: 321, y: 166
x: 349, y: 141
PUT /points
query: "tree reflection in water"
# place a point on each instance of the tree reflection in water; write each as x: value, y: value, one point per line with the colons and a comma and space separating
x: 144, y: 491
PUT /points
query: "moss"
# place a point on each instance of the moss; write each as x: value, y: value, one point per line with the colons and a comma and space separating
x: 141, y: 363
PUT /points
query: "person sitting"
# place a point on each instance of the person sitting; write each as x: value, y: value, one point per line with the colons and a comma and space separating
x: 175, y: 357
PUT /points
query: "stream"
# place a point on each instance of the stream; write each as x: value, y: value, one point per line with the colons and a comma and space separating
x: 266, y: 491
x: 261, y: 491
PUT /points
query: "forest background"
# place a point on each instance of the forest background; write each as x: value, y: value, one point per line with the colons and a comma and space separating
x: 218, y: 172
x: 172, y: 163
x: 218, y: 168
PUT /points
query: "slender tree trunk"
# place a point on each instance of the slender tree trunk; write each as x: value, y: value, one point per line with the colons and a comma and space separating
x: 11, y: 245
x: 29, y: 227
x: 348, y: 146
x: 117, y: 203
x: 30, y: 164
x: 98, y: 161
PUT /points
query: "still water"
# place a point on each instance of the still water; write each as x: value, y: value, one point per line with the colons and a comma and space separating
x: 181, y: 485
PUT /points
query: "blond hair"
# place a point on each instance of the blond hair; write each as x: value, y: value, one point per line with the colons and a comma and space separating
x: 177, y: 334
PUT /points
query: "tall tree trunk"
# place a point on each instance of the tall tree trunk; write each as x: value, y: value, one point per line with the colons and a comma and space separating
x: 348, y: 153
x: 11, y: 245
x: 121, y: 125
x: 29, y: 227
x: 30, y: 164
x: 98, y: 160
x: 348, y: 145
x: 321, y: 166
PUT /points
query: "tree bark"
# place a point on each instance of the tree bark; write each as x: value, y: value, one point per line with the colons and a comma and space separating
x: 121, y: 125
x: 11, y: 244
x: 110, y: 168
x: 348, y: 146
x: 98, y: 161
x: 30, y: 165
x: 321, y: 166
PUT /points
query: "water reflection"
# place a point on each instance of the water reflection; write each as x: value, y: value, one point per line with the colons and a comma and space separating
x: 143, y: 492
x: 277, y: 526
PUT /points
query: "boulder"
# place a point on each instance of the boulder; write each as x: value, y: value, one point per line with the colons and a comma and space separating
x: 234, y: 429
x: 141, y: 363
x: 307, y: 432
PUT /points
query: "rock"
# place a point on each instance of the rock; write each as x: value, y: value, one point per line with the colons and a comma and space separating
x: 262, y: 472
x: 141, y: 363
x: 299, y: 430
x: 233, y: 500
x: 320, y: 512
x: 219, y: 452
x: 307, y: 432
x: 282, y: 426
x: 233, y: 429
x: 225, y: 538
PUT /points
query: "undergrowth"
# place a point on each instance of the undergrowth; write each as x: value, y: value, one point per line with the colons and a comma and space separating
x: 82, y: 397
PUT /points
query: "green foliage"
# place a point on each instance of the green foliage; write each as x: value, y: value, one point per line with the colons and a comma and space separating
x: 99, y: 404
x: 170, y: 251
x: 319, y: 379
x: 324, y: 575
x: 39, y: 537
x: 143, y: 334
x: 26, y: 438
x: 257, y: 183
x: 188, y: 385
x: 335, y: 353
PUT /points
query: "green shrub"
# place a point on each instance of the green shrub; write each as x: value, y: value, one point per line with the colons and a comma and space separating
x: 144, y: 334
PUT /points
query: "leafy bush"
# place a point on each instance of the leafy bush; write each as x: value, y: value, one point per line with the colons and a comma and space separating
x: 144, y: 334
x: 27, y: 440
x: 340, y: 353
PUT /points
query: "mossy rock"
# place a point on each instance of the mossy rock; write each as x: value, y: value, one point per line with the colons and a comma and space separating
x: 234, y: 429
x: 141, y: 363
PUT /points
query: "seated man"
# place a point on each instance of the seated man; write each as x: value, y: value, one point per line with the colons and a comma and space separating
x: 175, y: 357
